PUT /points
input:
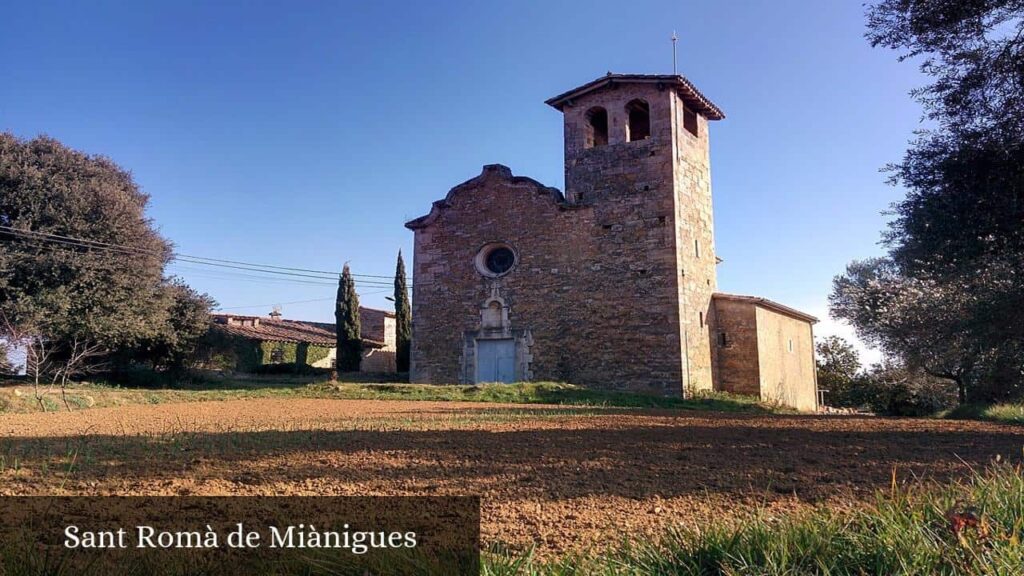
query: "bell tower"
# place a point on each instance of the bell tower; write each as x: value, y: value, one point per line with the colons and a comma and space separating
x: 637, y: 156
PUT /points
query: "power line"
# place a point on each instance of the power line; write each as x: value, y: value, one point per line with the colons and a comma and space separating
x: 223, y: 275
x: 292, y: 274
x: 215, y: 262
x: 227, y: 275
x: 84, y: 242
x: 276, y: 304
x: 216, y: 274
x: 172, y: 267
x: 294, y: 302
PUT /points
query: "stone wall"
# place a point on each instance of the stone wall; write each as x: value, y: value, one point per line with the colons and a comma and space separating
x: 695, y: 249
x: 378, y: 360
x: 589, y: 300
x: 450, y: 296
x: 785, y: 348
x: 377, y: 325
x: 736, y: 342
x: 613, y: 281
x: 391, y: 333
x: 666, y: 179
x: 631, y: 188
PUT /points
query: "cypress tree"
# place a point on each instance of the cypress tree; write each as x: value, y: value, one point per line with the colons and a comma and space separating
x: 403, y: 317
x: 346, y: 315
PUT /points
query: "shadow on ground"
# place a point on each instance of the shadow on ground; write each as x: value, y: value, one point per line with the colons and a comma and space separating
x: 577, y: 453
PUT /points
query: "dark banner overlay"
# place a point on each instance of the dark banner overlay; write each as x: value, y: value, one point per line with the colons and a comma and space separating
x: 143, y: 535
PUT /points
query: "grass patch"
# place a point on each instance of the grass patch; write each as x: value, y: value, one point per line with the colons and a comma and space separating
x: 1004, y: 413
x: 549, y: 393
x: 966, y: 528
x: 20, y: 398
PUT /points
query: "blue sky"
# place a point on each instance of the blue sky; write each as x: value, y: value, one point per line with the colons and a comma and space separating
x: 306, y: 133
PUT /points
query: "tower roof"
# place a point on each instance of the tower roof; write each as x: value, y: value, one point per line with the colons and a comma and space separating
x: 687, y: 91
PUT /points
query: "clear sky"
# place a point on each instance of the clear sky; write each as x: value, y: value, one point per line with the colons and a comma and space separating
x: 305, y: 134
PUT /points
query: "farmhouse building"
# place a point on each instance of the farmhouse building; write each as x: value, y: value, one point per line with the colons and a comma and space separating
x: 611, y: 284
x: 251, y: 343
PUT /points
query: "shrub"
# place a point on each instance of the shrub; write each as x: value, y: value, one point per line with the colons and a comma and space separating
x: 1004, y: 413
x: 838, y: 366
x: 893, y: 390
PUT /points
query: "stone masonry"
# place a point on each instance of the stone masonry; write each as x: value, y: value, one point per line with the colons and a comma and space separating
x: 611, y: 284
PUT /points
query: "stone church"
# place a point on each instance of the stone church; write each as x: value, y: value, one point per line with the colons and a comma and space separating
x: 611, y: 284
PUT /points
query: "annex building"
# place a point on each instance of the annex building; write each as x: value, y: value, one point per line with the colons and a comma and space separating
x: 248, y: 344
x: 611, y: 284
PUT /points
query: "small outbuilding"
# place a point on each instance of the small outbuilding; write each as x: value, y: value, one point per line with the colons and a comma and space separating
x: 765, y: 349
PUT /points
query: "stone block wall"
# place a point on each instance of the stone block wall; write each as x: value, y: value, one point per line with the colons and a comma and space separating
x: 450, y: 295
x: 613, y: 282
x: 785, y: 350
x: 767, y: 350
x: 633, y: 276
x: 586, y: 302
x: 378, y: 360
x: 695, y: 246
x: 736, y: 340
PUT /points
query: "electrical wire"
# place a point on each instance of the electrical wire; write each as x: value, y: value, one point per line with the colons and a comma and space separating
x: 213, y: 262
x: 67, y: 244
x: 178, y: 268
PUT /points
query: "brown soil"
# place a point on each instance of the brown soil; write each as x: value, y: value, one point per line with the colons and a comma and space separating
x: 555, y: 477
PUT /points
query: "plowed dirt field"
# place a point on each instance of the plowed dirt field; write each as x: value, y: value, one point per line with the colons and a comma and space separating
x: 555, y: 477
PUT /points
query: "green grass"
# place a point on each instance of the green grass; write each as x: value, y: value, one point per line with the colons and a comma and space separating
x: 19, y: 397
x: 908, y: 530
x: 549, y: 393
x: 1004, y: 413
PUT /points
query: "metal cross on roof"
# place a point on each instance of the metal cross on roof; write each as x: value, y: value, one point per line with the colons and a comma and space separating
x: 674, y: 39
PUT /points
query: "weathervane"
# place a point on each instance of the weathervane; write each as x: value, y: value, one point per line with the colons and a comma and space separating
x: 674, y: 39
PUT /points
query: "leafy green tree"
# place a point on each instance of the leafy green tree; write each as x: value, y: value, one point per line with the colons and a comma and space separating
x: 181, y: 329
x: 403, y: 317
x: 973, y: 50
x: 838, y: 365
x: 920, y: 321
x: 83, y: 264
x: 949, y: 297
x: 346, y: 316
x: 79, y: 289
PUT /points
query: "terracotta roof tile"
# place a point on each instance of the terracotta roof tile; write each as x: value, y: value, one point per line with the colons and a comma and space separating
x: 278, y: 330
x: 686, y: 89
x: 771, y: 305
